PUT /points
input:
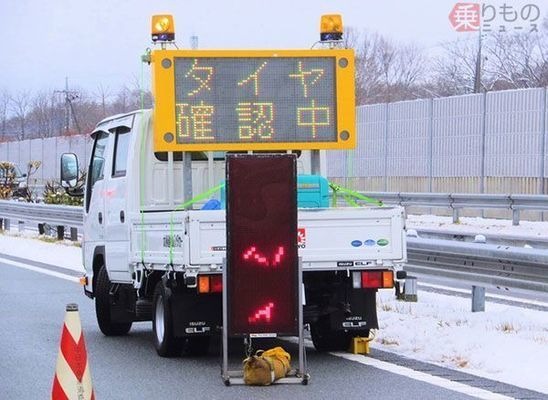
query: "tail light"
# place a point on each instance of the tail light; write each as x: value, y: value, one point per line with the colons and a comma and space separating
x: 372, y: 279
x: 210, y: 284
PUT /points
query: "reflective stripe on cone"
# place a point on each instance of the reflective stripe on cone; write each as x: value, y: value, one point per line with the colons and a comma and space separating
x: 72, y: 374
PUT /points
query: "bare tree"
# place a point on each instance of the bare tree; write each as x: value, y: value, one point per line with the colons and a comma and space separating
x: 122, y: 101
x: 41, y: 115
x: 4, y: 103
x: 88, y: 111
x: 455, y: 69
x: 508, y: 61
x: 20, y: 105
x: 140, y: 96
x: 103, y: 93
x: 385, y: 71
x: 352, y: 40
x: 57, y: 115
x: 515, y: 61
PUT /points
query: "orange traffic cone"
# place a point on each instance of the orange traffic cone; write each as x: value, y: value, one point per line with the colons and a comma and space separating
x: 72, y: 374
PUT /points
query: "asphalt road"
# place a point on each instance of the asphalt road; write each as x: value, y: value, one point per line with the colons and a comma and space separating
x: 32, y: 308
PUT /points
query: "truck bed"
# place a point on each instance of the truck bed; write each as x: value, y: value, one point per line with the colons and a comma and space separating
x: 328, y: 239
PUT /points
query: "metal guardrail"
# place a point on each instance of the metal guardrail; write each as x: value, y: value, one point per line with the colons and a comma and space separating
x: 458, y: 201
x: 37, y: 212
x: 494, y: 238
x: 480, y: 264
x: 40, y: 214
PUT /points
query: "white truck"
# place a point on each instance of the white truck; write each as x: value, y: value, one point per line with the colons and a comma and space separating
x: 143, y: 257
x: 149, y: 251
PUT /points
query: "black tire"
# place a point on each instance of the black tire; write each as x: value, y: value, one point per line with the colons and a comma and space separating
x: 103, y: 307
x: 197, y: 346
x: 165, y: 343
x: 325, y: 338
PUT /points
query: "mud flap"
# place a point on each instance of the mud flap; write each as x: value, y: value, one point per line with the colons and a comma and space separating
x: 361, y: 313
x: 196, y: 315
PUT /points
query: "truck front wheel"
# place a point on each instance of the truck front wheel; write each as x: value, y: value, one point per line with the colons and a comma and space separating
x: 103, y: 307
x: 166, y: 344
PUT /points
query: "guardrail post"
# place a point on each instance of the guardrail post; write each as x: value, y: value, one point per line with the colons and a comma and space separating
x: 21, y: 226
x: 1, y: 224
x: 41, y: 229
x: 60, y: 232
x: 73, y: 234
x: 410, y: 289
x: 478, y: 298
x: 6, y: 224
x: 455, y: 215
x: 515, y: 217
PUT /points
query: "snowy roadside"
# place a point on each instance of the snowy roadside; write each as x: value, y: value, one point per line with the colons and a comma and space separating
x: 505, y: 343
x: 64, y: 254
x: 471, y: 225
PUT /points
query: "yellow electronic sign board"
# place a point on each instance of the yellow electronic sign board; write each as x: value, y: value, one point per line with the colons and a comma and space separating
x: 253, y: 100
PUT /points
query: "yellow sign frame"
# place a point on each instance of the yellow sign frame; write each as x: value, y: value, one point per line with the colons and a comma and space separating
x: 163, y: 90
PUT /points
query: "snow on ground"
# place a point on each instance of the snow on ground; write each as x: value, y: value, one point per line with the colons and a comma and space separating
x: 504, y: 343
x: 533, y: 229
x: 64, y: 254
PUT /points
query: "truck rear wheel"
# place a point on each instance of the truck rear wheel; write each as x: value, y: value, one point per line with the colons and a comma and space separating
x: 166, y: 344
x: 103, y: 307
x: 325, y: 338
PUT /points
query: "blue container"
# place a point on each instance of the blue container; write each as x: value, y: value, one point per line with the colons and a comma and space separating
x: 312, y: 192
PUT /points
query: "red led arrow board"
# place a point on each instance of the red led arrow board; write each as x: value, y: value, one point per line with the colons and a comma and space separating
x: 262, y: 259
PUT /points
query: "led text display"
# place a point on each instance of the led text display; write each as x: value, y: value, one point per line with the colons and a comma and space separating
x: 254, y: 102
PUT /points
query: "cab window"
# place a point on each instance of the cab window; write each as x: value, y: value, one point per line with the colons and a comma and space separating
x: 121, y: 147
x: 97, y: 164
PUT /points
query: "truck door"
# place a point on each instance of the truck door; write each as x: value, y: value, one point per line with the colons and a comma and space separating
x: 116, y: 195
x: 94, y: 208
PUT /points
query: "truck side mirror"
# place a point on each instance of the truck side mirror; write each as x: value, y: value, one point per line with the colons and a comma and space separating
x: 69, y: 170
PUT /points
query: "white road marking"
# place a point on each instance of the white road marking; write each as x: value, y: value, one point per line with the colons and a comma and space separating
x: 39, y: 269
x: 372, y: 362
x: 424, y: 377
x: 411, y: 373
x: 487, y: 295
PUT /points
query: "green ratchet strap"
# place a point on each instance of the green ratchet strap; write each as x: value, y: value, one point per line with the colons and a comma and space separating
x: 350, y: 196
x: 184, y: 205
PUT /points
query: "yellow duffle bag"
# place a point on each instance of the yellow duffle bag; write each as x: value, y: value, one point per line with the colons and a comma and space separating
x: 265, y: 367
